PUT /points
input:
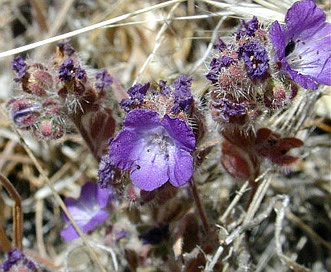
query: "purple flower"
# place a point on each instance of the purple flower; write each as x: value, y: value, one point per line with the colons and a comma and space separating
x: 303, y: 45
x: 255, y: 58
x: 66, y: 47
x: 216, y: 66
x: 17, y: 258
x: 164, y: 89
x: 229, y: 109
x: 66, y: 70
x: 136, y: 96
x: 220, y: 45
x: 107, y: 172
x: 104, y: 80
x: 89, y: 211
x: 155, y: 149
x: 80, y: 73
x: 182, y: 93
x: 20, y: 67
x: 250, y: 28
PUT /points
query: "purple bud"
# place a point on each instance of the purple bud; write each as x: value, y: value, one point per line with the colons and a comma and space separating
x: 164, y: 89
x: 250, y: 28
x: 107, y: 172
x: 66, y: 47
x: 230, y: 109
x: 16, y: 259
x: 104, y: 80
x: 66, y: 70
x: 137, y: 94
x: 20, y: 67
x: 24, y: 112
x: 80, y: 73
x: 220, y: 45
x: 182, y: 93
x: 216, y: 66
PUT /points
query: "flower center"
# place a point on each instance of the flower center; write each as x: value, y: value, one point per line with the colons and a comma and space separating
x: 289, y: 48
x: 159, y: 142
x: 301, y: 56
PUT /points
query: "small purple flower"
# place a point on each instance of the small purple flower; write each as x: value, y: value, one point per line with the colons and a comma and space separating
x: 19, y: 66
x: 182, y: 93
x: 104, y: 80
x: 164, y: 88
x: 89, y: 211
x: 216, y: 66
x: 66, y: 70
x: 220, y: 45
x: 250, y: 28
x: 106, y: 173
x: 231, y: 109
x: 17, y: 258
x: 80, y: 73
x: 66, y: 47
x: 155, y: 149
x: 303, y: 46
x: 256, y: 59
x: 136, y: 96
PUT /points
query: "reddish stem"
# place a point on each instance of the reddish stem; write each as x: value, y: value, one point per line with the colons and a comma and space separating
x: 199, y: 205
x: 17, y: 212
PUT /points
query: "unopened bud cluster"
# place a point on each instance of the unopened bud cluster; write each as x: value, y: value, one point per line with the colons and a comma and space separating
x: 245, y: 89
x: 55, y: 92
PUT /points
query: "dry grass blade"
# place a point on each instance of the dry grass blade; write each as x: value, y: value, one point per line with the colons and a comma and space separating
x: 65, y: 36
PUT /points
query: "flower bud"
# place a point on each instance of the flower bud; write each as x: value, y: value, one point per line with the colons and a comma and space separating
x: 49, y: 130
x: 25, y: 112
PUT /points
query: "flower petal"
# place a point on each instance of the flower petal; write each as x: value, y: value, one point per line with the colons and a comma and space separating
x: 180, y: 132
x: 304, y: 16
x: 151, y: 171
x: 121, y: 149
x: 277, y: 37
x: 87, y: 210
x: 180, y: 168
x: 141, y: 120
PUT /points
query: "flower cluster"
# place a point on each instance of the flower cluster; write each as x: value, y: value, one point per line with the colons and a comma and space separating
x: 174, y: 99
x: 62, y: 91
x: 156, y: 141
x: 260, y: 73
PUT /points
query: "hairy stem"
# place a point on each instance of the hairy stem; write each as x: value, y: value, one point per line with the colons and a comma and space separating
x: 201, y: 209
x: 76, y: 119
